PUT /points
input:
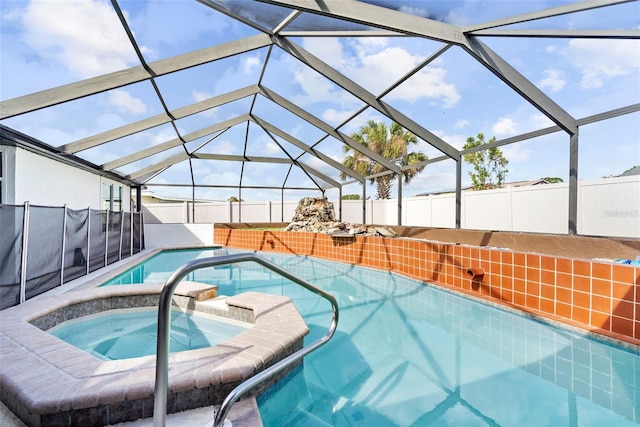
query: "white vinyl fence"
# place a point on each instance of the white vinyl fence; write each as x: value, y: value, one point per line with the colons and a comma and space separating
x: 606, y: 207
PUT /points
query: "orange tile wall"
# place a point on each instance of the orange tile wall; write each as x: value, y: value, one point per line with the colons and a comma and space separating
x: 597, y: 296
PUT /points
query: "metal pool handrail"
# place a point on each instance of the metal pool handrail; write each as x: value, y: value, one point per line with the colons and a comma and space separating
x: 164, y: 323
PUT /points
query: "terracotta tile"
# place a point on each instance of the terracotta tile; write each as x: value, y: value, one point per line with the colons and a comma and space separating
x: 533, y: 288
x: 582, y: 284
x: 582, y: 300
x: 601, y: 270
x: 532, y: 302
x: 507, y: 270
x: 518, y: 299
x: 533, y: 261
x: 519, y: 272
x: 601, y: 304
x: 580, y: 315
x: 601, y: 287
x: 582, y: 268
x: 623, y: 273
x: 622, y: 326
x: 519, y: 259
x: 548, y: 292
x: 506, y: 283
x: 623, y: 309
x: 601, y: 320
x: 547, y: 306
x: 506, y: 295
x: 533, y: 275
x: 495, y: 256
x: 547, y: 263
x: 519, y: 286
x: 507, y: 257
x: 564, y: 280
x: 623, y: 291
x: 636, y: 333
x: 563, y: 295
x: 564, y: 265
x: 546, y: 276
x: 563, y: 310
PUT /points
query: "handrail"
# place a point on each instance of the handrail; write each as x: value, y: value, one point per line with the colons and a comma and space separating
x: 164, y: 323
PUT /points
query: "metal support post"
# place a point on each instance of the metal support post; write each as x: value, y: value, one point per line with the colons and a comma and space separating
x: 25, y: 244
x: 399, y: 199
x: 573, y: 184
x: 88, y: 237
x: 106, y: 240
x: 458, y: 192
x: 64, y: 244
x: 121, y: 231
x: 131, y: 233
x: 364, y: 202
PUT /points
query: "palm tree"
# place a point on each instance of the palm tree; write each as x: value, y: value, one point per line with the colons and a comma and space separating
x: 392, y: 144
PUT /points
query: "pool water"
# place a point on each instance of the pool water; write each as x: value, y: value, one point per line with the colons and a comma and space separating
x: 409, y: 354
x: 127, y: 333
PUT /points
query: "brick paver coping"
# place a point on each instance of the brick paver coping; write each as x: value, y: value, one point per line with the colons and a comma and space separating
x: 46, y: 381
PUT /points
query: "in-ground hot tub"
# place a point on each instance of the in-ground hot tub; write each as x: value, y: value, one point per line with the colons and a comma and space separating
x: 133, y: 332
x: 46, y: 381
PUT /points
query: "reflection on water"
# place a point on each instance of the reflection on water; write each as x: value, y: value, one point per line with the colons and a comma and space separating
x: 407, y: 354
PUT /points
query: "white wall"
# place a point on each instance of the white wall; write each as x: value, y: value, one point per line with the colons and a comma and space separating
x: 177, y: 235
x: 606, y: 207
x: 43, y: 181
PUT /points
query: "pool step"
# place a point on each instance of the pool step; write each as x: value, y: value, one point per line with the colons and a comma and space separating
x: 301, y: 417
x: 197, y: 291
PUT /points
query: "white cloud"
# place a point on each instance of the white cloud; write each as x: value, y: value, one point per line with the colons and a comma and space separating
x: 124, y: 102
x: 554, y: 80
x: 541, y: 121
x: 504, y: 126
x: 201, y: 96
x: 335, y: 117
x: 84, y: 36
x: 462, y: 123
x: 250, y: 63
x: 602, y: 60
x: 375, y: 65
x: 516, y: 152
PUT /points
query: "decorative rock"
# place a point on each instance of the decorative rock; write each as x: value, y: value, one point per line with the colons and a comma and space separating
x: 316, y: 215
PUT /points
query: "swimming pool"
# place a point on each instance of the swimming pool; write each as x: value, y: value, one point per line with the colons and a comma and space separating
x: 411, y: 354
x: 128, y: 333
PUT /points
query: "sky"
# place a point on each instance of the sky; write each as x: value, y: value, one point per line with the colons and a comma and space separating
x: 47, y: 43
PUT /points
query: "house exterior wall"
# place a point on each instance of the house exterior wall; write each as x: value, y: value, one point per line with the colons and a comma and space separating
x: 46, y: 182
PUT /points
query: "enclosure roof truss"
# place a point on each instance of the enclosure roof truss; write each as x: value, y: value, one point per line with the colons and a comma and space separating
x: 360, y: 19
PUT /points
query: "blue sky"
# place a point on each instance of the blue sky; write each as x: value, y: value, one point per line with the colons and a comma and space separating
x: 45, y: 44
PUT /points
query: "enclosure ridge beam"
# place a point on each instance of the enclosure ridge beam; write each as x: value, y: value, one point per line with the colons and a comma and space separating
x: 176, y: 142
x: 562, y: 34
x: 545, y: 13
x: 94, y: 85
x: 303, y: 114
x: 160, y: 119
x: 237, y: 158
x: 353, y: 88
x: 160, y: 165
x: 319, y: 174
x: 282, y: 134
x: 376, y: 16
x: 250, y: 187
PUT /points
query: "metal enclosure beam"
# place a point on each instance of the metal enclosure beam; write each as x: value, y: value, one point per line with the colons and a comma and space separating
x: 353, y: 88
x: 92, y: 86
x: 160, y: 119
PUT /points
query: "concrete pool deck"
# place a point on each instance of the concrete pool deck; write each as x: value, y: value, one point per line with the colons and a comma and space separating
x: 47, y: 381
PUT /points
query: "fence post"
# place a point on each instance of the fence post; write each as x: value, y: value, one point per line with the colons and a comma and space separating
x: 121, y: 231
x: 106, y: 240
x: 25, y: 243
x: 64, y: 244
x: 131, y: 233
x: 88, y: 237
